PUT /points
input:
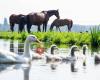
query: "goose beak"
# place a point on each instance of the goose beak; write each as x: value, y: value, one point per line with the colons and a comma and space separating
x: 77, y: 49
x: 38, y: 41
x: 56, y: 48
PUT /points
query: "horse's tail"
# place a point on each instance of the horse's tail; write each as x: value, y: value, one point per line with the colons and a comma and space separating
x: 70, y: 25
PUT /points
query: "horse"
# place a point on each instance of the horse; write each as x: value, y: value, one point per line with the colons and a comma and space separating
x: 39, y: 18
x: 62, y: 22
x: 17, y: 19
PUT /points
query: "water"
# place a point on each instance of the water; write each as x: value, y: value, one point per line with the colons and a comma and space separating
x: 40, y: 70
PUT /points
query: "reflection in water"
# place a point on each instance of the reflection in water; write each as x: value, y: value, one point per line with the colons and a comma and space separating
x: 20, y: 48
x: 73, y: 68
x: 11, y: 46
x: 4, y: 67
x: 26, y: 72
x: 85, y: 70
x: 16, y: 47
x: 10, y: 67
x: 53, y: 66
x: 84, y: 63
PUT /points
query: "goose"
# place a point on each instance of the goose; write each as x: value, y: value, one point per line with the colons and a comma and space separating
x: 52, y: 56
x: 72, y: 56
x: 96, y: 58
x: 82, y: 54
x: 10, y: 57
x: 84, y: 48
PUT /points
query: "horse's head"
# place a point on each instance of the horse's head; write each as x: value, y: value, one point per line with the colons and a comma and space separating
x: 57, y: 14
x: 53, y: 12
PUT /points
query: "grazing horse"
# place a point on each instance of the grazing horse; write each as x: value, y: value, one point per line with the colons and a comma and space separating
x: 62, y: 22
x: 39, y: 18
x: 17, y: 19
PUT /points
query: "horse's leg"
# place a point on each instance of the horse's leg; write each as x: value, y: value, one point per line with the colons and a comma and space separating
x: 69, y: 28
x: 51, y: 27
x: 29, y: 27
x: 21, y: 27
x: 56, y: 28
x: 12, y: 26
x: 45, y: 26
x: 39, y: 28
x: 59, y: 29
x: 24, y: 28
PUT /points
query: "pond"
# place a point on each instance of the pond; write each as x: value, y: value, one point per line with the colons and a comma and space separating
x: 40, y: 70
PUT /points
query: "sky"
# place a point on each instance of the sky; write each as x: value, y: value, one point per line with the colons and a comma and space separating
x: 85, y: 12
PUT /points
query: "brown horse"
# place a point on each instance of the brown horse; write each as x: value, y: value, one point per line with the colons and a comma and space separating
x: 17, y: 19
x: 62, y: 22
x: 39, y: 18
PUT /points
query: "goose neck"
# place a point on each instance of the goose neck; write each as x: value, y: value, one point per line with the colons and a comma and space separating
x: 72, y: 53
x: 27, y: 49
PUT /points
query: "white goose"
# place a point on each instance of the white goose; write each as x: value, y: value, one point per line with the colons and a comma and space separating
x: 10, y: 57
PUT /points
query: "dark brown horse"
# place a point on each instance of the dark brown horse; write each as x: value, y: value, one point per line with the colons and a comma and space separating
x: 39, y: 18
x: 62, y: 22
x: 17, y: 19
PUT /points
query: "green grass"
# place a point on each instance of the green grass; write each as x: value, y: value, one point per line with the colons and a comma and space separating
x: 68, y: 38
x: 59, y: 38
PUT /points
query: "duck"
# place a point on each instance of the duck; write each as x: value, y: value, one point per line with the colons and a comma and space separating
x: 72, y: 56
x: 11, y: 57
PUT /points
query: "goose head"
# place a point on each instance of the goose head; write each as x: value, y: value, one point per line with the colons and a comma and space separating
x: 84, y: 49
x: 73, y: 49
x: 54, y: 48
x: 32, y: 38
x: 97, y: 59
x: 52, y: 57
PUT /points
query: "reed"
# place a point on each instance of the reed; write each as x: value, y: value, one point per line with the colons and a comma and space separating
x: 95, y: 37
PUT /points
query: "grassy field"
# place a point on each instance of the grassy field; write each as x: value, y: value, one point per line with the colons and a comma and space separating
x: 59, y: 38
